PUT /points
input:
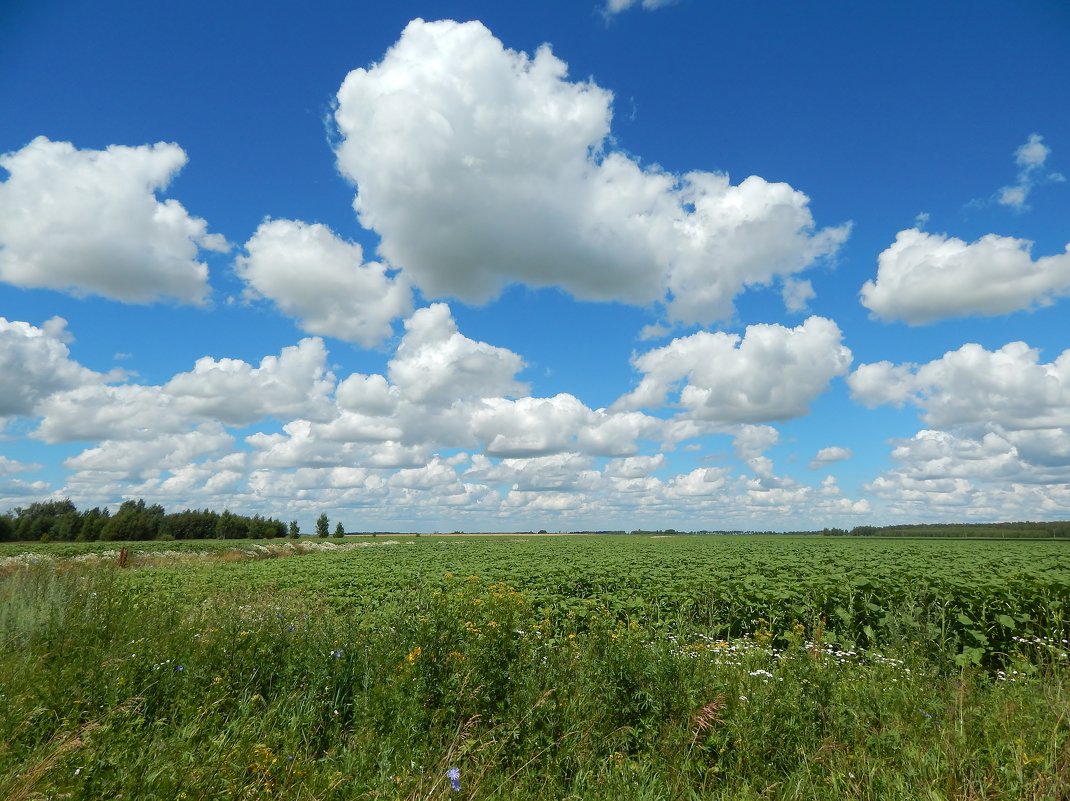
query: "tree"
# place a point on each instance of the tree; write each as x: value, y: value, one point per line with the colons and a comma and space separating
x: 230, y: 526
x: 40, y: 519
x: 133, y: 521
x: 339, y: 530
x: 93, y: 522
x: 295, y: 532
x: 322, y: 525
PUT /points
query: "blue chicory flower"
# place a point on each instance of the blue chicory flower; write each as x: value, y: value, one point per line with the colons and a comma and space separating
x: 454, y: 775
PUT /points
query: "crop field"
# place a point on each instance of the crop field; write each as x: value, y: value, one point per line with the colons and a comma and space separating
x: 537, y: 667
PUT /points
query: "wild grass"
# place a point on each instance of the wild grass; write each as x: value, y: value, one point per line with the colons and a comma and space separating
x: 107, y: 693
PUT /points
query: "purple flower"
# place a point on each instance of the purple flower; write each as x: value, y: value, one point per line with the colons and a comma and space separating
x: 337, y: 654
x: 454, y: 775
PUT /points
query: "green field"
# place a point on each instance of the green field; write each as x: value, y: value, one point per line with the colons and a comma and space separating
x: 539, y: 667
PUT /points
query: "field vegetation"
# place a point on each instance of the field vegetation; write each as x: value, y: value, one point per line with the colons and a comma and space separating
x: 536, y: 668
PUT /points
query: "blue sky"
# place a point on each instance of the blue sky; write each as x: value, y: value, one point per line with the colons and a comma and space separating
x: 562, y: 265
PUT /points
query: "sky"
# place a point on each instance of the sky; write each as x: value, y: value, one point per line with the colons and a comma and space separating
x: 562, y: 265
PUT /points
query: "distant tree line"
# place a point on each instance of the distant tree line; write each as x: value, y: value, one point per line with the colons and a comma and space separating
x: 60, y: 521
x: 1054, y: 529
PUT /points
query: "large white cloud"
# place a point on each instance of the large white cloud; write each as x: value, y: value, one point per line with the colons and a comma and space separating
x: 35, y: 363
x: 987, y: 477
x: 480, y: 166
x: 89, y: 222
x: 1008, y: 387
x: 436, y: 364
x: 998, y: 442
x: 147, y: 458
x: 925, y: 277
x: 528, y: 426
x: 230, y: 391
x: 438, y: 435
x: 99, y: 412
x: 323, y: 281
x: 559, y: 472
x: 771, y: 373
x: 294, y: 383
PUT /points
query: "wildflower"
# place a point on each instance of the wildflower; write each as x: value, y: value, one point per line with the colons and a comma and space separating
x: 454, y: 775
x: 414, y: 654
x: 337, y: 654
x: 179, y: 669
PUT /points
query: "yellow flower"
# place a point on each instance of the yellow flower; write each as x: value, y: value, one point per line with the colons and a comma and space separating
x: 414, y: 654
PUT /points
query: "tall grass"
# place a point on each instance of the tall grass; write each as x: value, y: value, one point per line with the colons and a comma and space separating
x: 107, y: 694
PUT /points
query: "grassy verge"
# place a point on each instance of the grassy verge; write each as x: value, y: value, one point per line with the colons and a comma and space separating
x: 106, y: 693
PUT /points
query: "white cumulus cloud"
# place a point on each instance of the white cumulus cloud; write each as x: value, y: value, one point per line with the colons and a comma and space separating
x: 826, y: 456
x: 771, y: 373
x: 147, y: 458
x: 89, y: 222
x: 230, y: 391
x: 479, y: 166
x: 924, y: 277
x: 35, y: 363
x: 1008, y: 387
x: 323, y: 281
x: 436, y: 364
x: 294, y: 383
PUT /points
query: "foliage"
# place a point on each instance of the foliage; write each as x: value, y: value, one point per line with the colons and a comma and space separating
x: 60, y: 521
x: 322, y: 526
x: 1052, y: 529
x: 111, y: 691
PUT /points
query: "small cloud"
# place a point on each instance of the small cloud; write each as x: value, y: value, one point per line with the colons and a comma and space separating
x: 797, y: 294
x: 1013, y: 196
x: 1033, y: 153
x: 827, y: 456
x: 1030, y: 158
x: 617, y: 6
x: 10, y: 467
x: 921, y: 220
x: 655, y: 331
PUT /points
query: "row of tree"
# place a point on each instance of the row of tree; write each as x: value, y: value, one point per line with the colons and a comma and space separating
x: 61, y: 521
x: 1051, y: 529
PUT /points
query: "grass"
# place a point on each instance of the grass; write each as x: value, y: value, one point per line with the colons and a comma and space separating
x: 108, y: 693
